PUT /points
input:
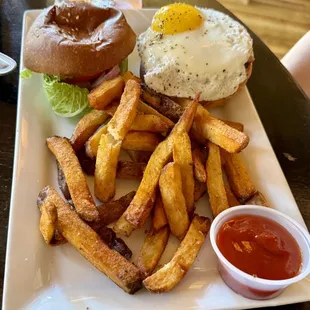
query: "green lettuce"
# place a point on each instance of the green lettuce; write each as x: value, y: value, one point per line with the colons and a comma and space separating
x: 66, y: 100
x: 26, y: 74
x: 123, y: 66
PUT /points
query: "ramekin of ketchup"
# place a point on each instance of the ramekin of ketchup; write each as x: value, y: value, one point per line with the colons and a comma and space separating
x: 260, y: 251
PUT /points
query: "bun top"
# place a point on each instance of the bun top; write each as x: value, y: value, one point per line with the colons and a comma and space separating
x: 77, y: 39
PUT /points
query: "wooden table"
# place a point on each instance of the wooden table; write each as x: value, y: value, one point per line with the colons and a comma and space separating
x: 279, y: 23
x: 282, y: 106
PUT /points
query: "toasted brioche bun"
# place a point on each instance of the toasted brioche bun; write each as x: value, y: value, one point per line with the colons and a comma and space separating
x: 77, y: 39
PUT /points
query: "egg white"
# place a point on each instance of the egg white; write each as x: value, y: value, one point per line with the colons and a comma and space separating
x: 209, y: 59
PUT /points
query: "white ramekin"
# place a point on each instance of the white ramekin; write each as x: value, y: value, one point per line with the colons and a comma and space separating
x: 245, y: 284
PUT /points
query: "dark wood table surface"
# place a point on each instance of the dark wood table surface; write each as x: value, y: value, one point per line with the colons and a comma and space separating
x: 281, y: 105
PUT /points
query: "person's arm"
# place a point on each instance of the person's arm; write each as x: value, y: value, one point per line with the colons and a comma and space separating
x: 297, y: 61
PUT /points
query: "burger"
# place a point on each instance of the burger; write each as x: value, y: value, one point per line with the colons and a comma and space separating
x: 189, y: 50
x: 76, y: 46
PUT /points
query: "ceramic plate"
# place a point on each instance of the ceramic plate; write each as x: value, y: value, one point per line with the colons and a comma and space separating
x: 40, y: 277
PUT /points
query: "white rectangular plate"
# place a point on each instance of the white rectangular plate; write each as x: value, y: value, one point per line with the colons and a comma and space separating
x: 39, y: 277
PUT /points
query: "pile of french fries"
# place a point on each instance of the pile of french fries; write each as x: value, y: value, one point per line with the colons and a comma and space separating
x: 178, y: 151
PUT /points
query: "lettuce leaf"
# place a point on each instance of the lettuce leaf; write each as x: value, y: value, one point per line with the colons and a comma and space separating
x: 26, y: 74
x: 123, y: 66
x: 66, y: 100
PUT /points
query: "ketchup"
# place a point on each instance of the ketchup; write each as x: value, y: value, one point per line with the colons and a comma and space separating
x: 260, y: 247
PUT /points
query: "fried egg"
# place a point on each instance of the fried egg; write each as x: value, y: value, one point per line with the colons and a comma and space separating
x: 189, y: 50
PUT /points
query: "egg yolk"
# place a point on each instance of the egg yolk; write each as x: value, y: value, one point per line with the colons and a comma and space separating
x: 176, y: 18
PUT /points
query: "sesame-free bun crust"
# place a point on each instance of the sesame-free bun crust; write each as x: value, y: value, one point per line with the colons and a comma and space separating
x: 77, y: 39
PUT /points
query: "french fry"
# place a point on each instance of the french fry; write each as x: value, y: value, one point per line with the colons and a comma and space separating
x: 199, y: 167
x: 257, y: 199
x: 144, y: 122
x: 159, y: 217
x: 63, y: 186
x: 130, y: 170
x: 58, y: 239
x: 215, y: 183
x: 216, y: 131
x: 48, y: 222
x: 106, y: 166
x: 141, y: 141
x: 151, y: 123
x: 139, y: 156
x: 146, y: 109
x: 238, y: 177
x: 111, y: 211
x: 86, y: 127
x: 182, y: 156
x: 126, y: 112
x: 121, y: 247
x: 130, y: 76
x: 170, y: 185
x: 194, y: 133
x: 143, y: 109
x: 236, y: 125
x: 78, y: 188
x: 204, y: 125
x: 135, y: 141
x: 224, y: 156
x: 197, y: 137
x: 90, y: 245
x: 150, y: 97
x: 165, y: 106
x: 88, y: 164
x: 123, y: 227
x: 111, y: 108
x: 106, y: 92
x: 155, y: 241
x: 228, y: 138
x: 111, y: 142
x: 108, y: 213
x: 186, y: 120
x: 152, y: 249
x: 169, y: 108
x: 125, y: 170
x: 166, y: 278
x: 200, y: 189
x: 231, y: 198
x: 91, y: 146
x: 213, y: 104
x: 108, y: 236
x: 141, y: 206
